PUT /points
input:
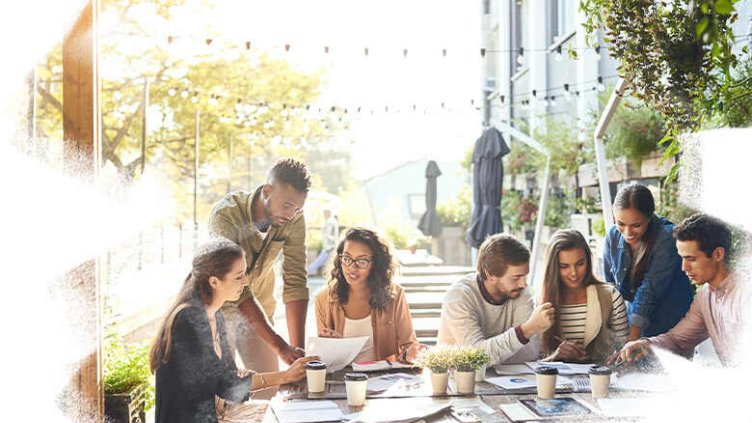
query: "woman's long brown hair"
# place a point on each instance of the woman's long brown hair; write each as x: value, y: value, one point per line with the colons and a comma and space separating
x: 214, y: 258
x: 562, y: 240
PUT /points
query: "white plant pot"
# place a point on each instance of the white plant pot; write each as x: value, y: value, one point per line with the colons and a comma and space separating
x: 465, y: 382
x: 480, y: 374
x: 439, y: 382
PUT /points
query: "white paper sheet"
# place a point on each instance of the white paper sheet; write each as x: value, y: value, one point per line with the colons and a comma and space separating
x: 643, y: 382
x: 564, y: 368
x: 306, y: 411
x: 384, y: 382
x: 625, y: 407
x: 524, y: 381
x: 335, y: 352
x: 399, y: 409
x: 513, y: 369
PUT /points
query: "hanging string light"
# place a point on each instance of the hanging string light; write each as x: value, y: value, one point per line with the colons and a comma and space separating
x: 600, y: 87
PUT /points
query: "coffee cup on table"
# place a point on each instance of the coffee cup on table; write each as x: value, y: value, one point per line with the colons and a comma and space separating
x: 546, y: 381
x: 316, y: 376
x: 356, y: 385
x: 600, y: 377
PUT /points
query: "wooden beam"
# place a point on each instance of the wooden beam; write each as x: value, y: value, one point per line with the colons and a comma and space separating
x: 83, y: 400
x: 81, y: 95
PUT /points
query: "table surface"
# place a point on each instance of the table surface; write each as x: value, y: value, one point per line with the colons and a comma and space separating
x: 490, y: 394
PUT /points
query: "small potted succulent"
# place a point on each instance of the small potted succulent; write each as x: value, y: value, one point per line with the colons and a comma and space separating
x: 466, y: 362
x: 438, y: 361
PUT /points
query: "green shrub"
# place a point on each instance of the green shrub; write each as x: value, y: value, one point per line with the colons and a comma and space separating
x: 456, y: 212
x: 436, y: 359
x: 126, y: 367
x: 468, y: 359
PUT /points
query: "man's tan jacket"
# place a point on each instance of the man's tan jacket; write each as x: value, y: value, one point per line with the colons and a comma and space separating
x: 232, y: 218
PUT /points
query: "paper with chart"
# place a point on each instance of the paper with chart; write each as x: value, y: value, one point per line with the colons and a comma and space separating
x: 335, y: 352
x: 525, y: 381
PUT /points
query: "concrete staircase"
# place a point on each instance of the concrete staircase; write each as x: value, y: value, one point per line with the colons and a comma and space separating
x: 425, y: 288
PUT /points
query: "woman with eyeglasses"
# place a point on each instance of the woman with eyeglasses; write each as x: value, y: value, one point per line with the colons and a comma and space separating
x: 362, y: 300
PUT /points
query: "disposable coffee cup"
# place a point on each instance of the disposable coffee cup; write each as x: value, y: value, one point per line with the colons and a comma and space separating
x: 316, y: 376
x: 600, y: 377
x: 546, y: 378
x: 356, y: 384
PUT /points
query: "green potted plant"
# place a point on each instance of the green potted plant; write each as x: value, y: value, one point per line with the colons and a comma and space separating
x: 127, y: 387
x: 438, y: 361
x: 467, y: 361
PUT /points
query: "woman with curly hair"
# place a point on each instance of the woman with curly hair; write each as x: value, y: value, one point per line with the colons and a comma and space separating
x: 362, y: 300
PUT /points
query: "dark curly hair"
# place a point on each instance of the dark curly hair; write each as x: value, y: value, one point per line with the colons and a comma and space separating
x: 291, y: 172
x: 708, y: 231
x: 382, y: 268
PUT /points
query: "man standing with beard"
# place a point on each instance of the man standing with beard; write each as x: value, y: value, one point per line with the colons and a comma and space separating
x: 492, y: 308
x: 267, y: 223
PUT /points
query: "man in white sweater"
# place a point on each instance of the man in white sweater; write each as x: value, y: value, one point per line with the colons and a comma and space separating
x: 492, y: 309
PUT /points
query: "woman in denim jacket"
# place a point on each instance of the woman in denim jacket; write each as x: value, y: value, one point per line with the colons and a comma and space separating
x: 640, y: 258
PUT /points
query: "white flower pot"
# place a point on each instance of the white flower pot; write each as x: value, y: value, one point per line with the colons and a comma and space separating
x: 439, y: 382
x: 480, y: 374
x: 465, y: 382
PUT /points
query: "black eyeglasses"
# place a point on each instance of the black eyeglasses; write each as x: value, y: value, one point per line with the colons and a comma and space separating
x: 360, y: 263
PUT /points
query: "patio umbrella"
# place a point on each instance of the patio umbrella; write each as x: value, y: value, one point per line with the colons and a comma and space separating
x: 488, y: 173
x: 429, y: 222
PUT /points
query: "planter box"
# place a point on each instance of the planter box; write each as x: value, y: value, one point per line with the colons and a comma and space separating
x: 126, y: 408
x: 618, y: 170
x: 652, y: 169
x: 451, y: 247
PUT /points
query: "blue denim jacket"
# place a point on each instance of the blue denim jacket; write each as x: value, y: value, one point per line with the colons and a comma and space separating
x: 665, y: 293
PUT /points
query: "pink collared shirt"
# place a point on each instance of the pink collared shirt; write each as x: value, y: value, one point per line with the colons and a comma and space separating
x: 716, y: 313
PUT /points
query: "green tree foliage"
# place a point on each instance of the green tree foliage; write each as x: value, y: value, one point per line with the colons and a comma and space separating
x: 677, y: 56
x: 635, y: 130
x: 253, y: 108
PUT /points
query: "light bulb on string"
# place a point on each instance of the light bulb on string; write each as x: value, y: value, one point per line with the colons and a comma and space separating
x: 559, y: 56
x: 184, y: 94
x: 521, y: 56
x: 171, y: 92
x: 600, y: 87
x: 597, y: 52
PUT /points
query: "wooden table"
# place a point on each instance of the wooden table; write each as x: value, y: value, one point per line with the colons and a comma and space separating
x: 490, y: 394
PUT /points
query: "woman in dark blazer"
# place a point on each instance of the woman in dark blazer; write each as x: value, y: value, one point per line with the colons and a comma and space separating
x: 191, y: 355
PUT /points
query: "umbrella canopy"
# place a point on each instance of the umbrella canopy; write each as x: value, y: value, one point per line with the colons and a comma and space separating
x: 429, y: 222
x: 488, y: 173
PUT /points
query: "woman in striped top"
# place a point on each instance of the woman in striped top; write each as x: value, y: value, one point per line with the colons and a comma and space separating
x: 591, y: 318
